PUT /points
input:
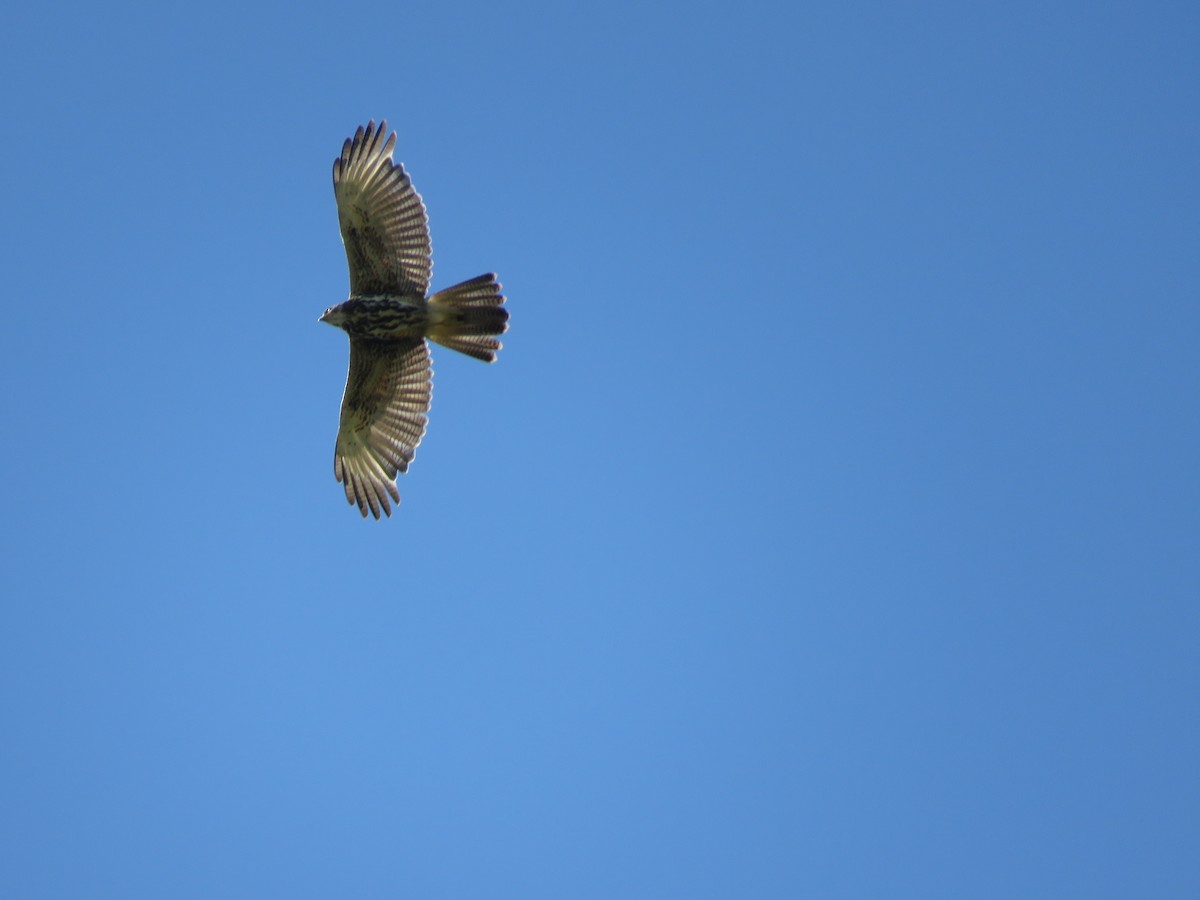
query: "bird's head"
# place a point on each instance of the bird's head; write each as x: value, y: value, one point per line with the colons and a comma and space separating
x: 334, y: 316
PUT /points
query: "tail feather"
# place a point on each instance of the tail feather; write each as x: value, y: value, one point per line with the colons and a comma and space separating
x: 464, y: 317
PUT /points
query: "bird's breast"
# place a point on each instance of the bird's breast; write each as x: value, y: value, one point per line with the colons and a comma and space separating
x: 385, y: 317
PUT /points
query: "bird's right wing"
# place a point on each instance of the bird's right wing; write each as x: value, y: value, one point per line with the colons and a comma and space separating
x: 388, y: 391
x: 382, y: 218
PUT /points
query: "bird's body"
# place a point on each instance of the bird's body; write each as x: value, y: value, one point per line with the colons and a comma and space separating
x: 388, y: 317
x: 380, y: 317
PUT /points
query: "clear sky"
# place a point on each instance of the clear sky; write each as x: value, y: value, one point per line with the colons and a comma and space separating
x: 829, y: 526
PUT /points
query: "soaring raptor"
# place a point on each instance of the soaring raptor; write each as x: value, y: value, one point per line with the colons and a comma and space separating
x: 388, y: 316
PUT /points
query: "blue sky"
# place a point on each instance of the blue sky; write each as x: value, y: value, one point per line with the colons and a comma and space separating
x: 828, y: 527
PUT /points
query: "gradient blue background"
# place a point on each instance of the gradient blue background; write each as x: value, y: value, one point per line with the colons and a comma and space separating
x: 828, y: 527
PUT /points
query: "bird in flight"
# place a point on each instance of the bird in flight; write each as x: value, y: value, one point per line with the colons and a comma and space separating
x: 389, y: 314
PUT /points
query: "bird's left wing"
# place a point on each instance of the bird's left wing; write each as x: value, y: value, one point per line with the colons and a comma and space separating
x: 382, y: 218
x: 388, y: 391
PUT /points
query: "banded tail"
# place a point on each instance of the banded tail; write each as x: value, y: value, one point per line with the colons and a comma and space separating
x: 465, y: 317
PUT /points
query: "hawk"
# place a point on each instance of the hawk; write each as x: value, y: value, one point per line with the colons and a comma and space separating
x: 388, y: 316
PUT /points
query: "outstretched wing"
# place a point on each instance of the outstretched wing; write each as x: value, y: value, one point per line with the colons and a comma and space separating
x: 382, y: 218
x: 383, y: 419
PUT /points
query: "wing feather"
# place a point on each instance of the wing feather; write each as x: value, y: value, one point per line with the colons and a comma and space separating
x: 384, y: 414
x: 384, y: 226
